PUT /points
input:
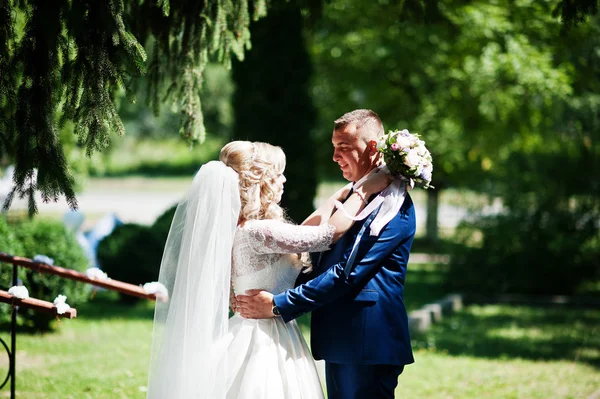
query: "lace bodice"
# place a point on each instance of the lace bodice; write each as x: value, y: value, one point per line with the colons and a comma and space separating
x: 261, y: 251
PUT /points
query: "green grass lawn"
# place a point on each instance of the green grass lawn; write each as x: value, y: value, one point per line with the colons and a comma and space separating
x: 481, y: 352
x: 103, y: 353
x: 507, y: 352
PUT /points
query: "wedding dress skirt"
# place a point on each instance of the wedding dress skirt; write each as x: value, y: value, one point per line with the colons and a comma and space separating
x: 270, y: 359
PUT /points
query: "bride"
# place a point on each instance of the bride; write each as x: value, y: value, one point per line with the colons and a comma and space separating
x: 229, y: 235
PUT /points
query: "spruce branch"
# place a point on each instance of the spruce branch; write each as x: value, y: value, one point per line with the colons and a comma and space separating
x: 76, y: 57
x: 37, y: 146
x: 7, y: 76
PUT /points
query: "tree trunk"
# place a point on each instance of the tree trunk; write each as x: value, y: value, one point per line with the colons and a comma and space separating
x: 431, y: 224
x: 272, y: 101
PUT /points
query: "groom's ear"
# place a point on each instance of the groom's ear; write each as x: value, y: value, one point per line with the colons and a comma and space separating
x: 372, y: 146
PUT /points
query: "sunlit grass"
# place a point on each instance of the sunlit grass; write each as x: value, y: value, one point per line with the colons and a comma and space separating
x: 481, y: 352
x: 104, y: 353
x: 507, y: 352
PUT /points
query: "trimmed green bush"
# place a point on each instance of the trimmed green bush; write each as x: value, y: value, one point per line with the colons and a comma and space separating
x: 50, y: 238
x: 163, y: 223
x: 540, y: 252
x: 131, y: 253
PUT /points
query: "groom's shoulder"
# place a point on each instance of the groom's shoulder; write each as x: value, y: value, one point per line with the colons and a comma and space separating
x: 406, y: 214
x: 408, y: 204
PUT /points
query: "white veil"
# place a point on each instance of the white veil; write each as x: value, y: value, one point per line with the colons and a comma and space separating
x: 188, y: 346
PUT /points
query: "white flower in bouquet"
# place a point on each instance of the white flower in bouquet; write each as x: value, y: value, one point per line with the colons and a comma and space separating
x: 406, y: 156
x: 19, y: 291
x: 421, y: 149
x: 412, y: 159
x: 403, y: 142
x: 427, y: 171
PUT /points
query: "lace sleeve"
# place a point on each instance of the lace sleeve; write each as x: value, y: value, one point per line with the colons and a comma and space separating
x: 273, y: 236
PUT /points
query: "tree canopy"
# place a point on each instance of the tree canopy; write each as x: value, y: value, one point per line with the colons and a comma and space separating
x: 71, y: 60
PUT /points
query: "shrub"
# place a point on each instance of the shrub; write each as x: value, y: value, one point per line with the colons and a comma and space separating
x: 544, y: 251
x: 45, y: 237
x: 163, y: 223
x: 131, y: 253
x: 9, y: 245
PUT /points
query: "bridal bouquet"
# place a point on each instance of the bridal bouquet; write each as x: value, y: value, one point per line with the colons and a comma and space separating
x: 406, y: 156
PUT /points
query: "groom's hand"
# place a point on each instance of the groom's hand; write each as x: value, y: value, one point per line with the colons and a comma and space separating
x: 257, y: 304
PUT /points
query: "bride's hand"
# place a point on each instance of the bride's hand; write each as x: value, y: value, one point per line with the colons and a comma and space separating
x: 232, y: 301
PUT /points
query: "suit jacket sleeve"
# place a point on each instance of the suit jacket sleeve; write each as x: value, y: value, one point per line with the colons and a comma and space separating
x: 333, y: 284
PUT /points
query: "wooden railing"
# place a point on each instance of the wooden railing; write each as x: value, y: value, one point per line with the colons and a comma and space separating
x: 36, y: 304
x: 49, y: 307
x: 114, y: 285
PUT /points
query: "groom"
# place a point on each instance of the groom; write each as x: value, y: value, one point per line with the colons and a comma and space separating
x: 356, y: 291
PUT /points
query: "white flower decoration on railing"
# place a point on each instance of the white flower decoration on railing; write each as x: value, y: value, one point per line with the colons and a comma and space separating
x: 96, y: 274
x: 158, y: 289
x: 43, y: 259
x: 61, y: 305
x: 19, y: 291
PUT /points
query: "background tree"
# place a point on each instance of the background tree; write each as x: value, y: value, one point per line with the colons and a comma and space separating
x: 470, y: 76
x: 547, y: 239
x: 71, y: 60
x: 272, y: 102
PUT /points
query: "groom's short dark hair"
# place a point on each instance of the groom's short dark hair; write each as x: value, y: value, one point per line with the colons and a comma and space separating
x: 366, y: 119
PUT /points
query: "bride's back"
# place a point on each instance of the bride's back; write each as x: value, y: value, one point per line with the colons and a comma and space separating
x: 259, y: 261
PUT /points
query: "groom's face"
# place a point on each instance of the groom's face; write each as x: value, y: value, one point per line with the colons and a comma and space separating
x: 351, y: 153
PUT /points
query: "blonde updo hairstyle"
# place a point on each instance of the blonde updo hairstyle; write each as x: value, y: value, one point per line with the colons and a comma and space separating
x: 258, y: 165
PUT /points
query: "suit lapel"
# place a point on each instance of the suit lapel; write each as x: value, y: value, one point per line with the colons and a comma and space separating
x: 353, y: 253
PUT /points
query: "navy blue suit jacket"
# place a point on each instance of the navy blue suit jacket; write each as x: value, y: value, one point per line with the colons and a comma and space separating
x: 359, y: 318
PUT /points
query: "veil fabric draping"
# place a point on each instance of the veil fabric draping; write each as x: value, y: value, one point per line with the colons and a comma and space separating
x: 189, y: 344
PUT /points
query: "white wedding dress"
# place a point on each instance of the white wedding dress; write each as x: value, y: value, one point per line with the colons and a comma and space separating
x: 269, y: 358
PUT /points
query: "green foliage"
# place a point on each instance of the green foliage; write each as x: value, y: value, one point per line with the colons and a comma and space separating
x: 71, y: 61
x: 184, y: 37
x: 480, y: 80
x: 8, y: 241
x: 547, y: 240
x: 467, y: 75
x: 217, y: 90
x: 155, y: 157
x: 574, y: 13
x: 133, y: 253
x: 272, y: 102
x: 163, y: 223
x: 538, y: 251
x: 50, y: 238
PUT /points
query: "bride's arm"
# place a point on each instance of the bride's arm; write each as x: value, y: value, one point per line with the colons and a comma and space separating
x: 272, y: 236
x: 323, y: 212
x: 355, y: 203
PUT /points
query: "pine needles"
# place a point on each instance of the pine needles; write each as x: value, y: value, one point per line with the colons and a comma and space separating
x: 73, y: 59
